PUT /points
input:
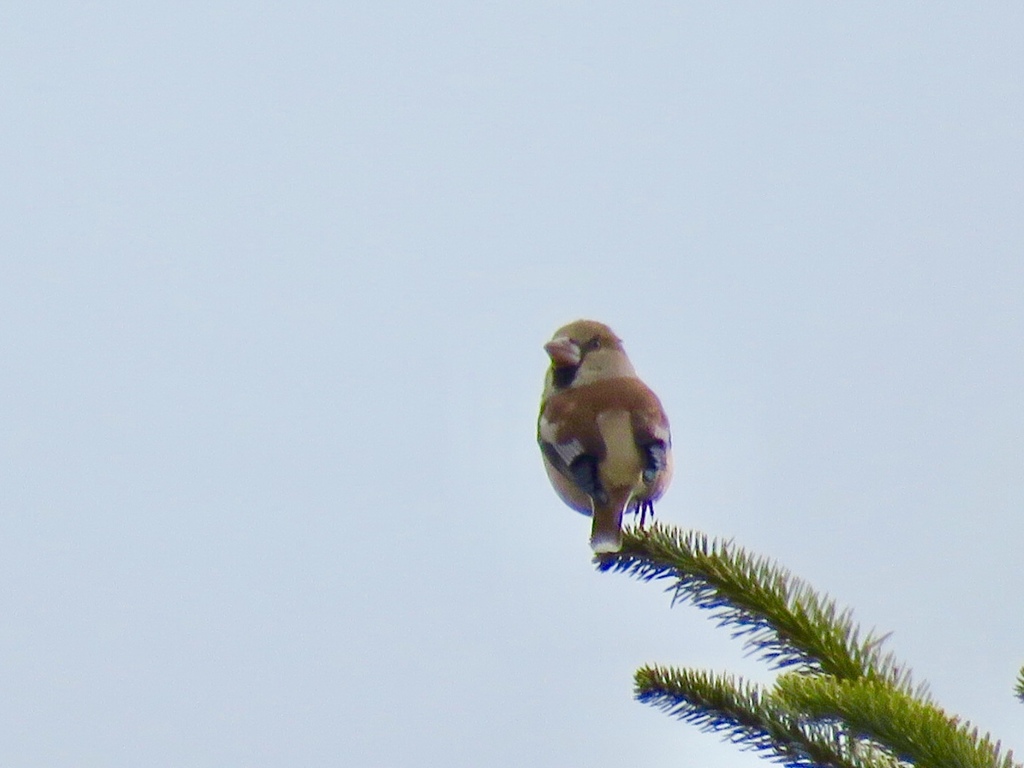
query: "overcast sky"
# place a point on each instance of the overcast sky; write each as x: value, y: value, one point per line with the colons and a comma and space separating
x: 274, y: 281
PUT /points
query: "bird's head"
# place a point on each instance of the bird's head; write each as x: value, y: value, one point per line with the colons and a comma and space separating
x: 582, y: 352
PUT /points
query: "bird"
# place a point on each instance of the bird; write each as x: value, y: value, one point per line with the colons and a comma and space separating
x: 603, y: 433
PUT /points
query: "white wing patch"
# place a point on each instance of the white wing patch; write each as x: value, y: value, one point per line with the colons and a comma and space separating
x: 566, y: 451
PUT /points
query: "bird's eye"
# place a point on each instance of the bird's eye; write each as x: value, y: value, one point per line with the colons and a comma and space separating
x: 594, y: 343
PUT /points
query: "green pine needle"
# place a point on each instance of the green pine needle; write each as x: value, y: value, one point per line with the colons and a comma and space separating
x: 747, y: 716
x: 842, y: 703
x: 918, y: 732
x: 781, y: 618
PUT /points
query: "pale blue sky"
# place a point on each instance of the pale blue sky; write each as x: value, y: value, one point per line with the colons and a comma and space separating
x: 274, y: 280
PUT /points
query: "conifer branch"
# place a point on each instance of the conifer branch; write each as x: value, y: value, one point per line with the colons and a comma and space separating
x: 841, y: 703
x: 748, y: 717
x: 917, y: 732
x: 783, y: 620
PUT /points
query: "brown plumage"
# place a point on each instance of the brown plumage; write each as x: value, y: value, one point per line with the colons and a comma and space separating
x: 603, y: 434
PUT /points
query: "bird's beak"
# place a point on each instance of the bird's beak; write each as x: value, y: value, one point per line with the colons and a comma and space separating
x: 563, y: 351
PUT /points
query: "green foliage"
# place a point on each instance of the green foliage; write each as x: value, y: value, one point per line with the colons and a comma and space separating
x: 840, y: 701
x: 915, y: 730
x: 745, y: 714
x: 782, y: 619
x: 1020, y: 684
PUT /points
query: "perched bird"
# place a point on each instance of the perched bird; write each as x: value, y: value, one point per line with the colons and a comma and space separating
x: 603, y: 433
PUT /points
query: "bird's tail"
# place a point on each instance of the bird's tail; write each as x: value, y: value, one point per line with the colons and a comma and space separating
x: 606, y: 531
